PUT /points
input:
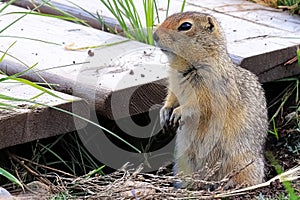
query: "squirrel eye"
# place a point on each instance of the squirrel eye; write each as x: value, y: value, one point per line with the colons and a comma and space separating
x: 185, y: 26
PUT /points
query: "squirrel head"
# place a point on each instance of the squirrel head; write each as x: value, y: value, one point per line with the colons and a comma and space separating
x: 192, y: 37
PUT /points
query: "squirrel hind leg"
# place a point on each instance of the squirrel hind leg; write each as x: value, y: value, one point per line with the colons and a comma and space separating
x: 246, y: 174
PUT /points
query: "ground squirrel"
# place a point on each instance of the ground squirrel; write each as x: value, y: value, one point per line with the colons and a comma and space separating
x: 220, y: 107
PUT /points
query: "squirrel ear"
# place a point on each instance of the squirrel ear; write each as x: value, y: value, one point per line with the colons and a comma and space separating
x: 211, y: 24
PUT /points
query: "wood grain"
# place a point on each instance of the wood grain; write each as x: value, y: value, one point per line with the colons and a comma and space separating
x: 30, y: 121
x: 259, y: 39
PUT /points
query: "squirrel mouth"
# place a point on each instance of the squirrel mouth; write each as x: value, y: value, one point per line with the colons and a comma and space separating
x: 167, y: 52
x: 164, y: 50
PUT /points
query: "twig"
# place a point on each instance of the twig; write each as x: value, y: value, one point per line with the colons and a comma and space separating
x: 45, y: 167
x: 291, y: 61
x: 290, y: 175
x: 29, y: 169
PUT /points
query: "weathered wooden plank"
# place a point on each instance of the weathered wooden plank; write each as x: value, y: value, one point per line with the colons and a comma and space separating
x: 30, y: 122
x: 261, y: 38
x: 73, y: 10
x: 120, y: 70
x: 111, y: 70
x: 266, y: 30
x: 281, y: 71
x: 252, y: 12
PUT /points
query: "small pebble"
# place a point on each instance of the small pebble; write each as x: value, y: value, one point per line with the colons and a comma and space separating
x: 91, y: 53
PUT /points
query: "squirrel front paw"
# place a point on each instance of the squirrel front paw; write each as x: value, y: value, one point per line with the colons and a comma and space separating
x: 175, y: 117
x: 170, y: 116
x: 165, y: 114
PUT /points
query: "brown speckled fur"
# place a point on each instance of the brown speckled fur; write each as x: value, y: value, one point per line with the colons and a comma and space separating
x: 221, y: 107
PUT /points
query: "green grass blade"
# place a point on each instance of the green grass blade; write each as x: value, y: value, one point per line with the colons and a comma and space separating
x: 287, y: 184
x: 47, y: 15
x: 33, y: 39
x: 56, y: 155
x: 95, y: 171
x: 287, y: 94
x: 275, y: 132
x: 82, y: 8
x: 17, y: 74
x: 12, y: 23
x: 136, y: 16
x: 117, y: 14
x: 4, y: 54
x: 84, y: 152
x: 183, y: 5
x: 128, y: 11
x: 41, y: 152
x: 15, y: 21
x: 81, y: 157
x: 168, y: 8
x: 6, y: 5
x: 7, y: 106
x: 66, y: 14
x: 27, y: 82
x: 149, y: 14
x: 37, y: 96
x: 56, y: 67
x: 10, y: 177
x: 20, y: 61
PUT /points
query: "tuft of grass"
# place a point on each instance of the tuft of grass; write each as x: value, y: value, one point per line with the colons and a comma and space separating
x: 287, y: 184
x: 149, y: 8
x: 72, y: 156
x: 126, y: 12
x: 286, y: 95
x: 292, y: 5
x: 274, y: 131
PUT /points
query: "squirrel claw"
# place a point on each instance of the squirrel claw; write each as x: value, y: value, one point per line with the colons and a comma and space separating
x: 175, y: 117
x: 165, y: 113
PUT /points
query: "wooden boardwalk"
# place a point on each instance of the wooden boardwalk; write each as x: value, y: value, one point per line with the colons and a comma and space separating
x: 128, y: 78
x: 260, y: 38
x: 30, y: 121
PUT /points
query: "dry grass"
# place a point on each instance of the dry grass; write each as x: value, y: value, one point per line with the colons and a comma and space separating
x: 292, y: 5
x: 127, y: 183
x: 271, y: 3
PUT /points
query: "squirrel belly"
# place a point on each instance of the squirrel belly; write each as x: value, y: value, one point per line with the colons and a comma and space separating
x: 220, y: 107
